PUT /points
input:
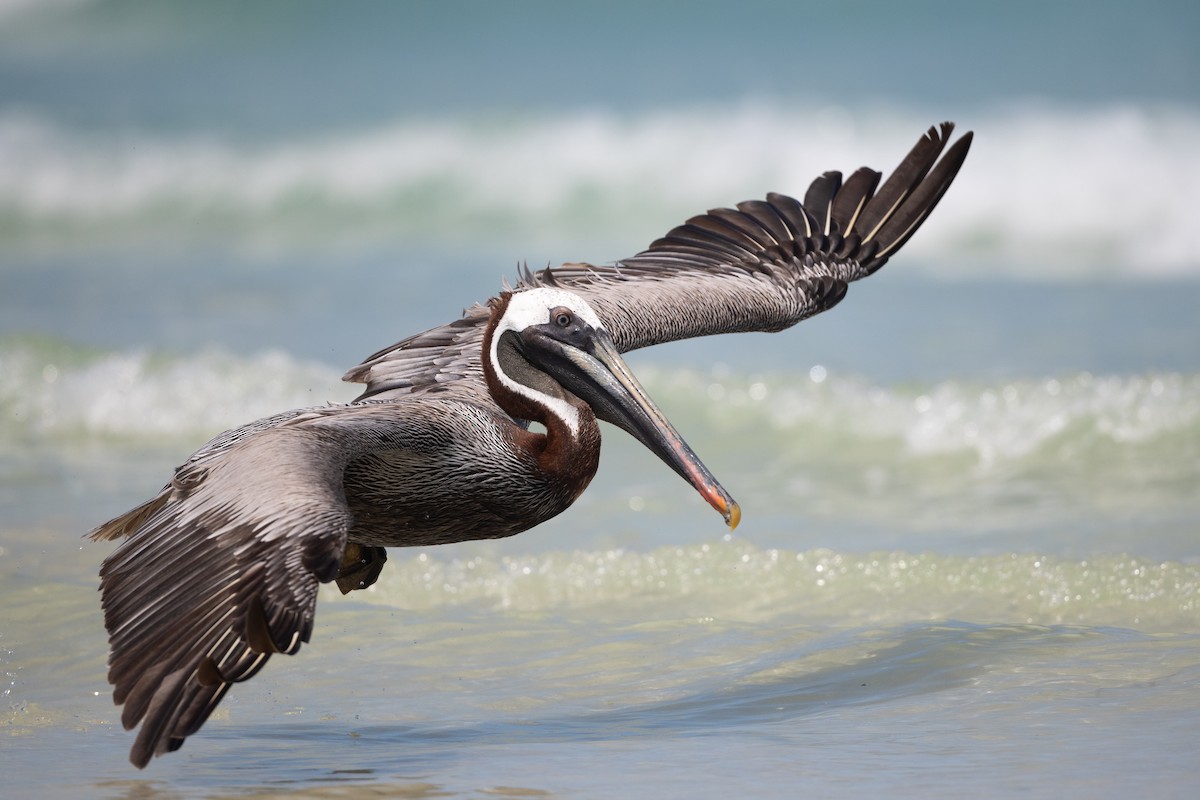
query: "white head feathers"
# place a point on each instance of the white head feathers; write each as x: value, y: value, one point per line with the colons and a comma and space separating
x: 533, y: 307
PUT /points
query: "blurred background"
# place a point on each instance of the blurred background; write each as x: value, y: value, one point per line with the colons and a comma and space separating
x: 209, y: 211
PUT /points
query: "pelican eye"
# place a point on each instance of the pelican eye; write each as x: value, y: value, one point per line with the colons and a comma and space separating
x: 562, y: 317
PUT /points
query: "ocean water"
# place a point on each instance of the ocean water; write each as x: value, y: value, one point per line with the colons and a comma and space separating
x: 970, y: 554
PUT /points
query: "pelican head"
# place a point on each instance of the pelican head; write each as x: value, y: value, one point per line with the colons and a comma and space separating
x: 549, y: 346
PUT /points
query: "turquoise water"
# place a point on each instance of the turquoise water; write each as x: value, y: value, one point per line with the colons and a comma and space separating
x: 969, y: 560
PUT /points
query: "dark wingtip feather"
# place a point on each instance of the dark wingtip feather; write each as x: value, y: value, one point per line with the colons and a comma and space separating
x: 852, y: 198
x: 798, y: 219
x: 818, y: 200
x: 903, y: 180
x: 924, y: 198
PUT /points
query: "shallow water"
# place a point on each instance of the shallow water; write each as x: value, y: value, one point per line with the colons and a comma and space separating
x: 856, y: 689
x: 969, y: 562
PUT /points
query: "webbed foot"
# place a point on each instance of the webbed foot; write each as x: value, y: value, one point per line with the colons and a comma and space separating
x: 361, y: 566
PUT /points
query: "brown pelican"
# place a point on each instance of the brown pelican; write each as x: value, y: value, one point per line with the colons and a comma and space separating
x: 221, y: 568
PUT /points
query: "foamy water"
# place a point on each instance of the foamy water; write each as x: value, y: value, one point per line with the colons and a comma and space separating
x: 52, y: 390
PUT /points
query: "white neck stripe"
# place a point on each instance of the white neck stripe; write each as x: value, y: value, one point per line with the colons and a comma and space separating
x: 532, y: 307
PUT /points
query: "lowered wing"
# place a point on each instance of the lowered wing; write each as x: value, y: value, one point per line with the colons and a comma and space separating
x: 221, y: 569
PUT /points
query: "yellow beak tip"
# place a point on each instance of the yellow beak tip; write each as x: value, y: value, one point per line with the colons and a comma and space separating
x: 735, y: 516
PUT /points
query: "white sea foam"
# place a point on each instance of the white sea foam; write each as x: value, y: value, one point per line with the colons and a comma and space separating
x: 989, y: 422
x: 54, y: 390
x: 1045, y: 192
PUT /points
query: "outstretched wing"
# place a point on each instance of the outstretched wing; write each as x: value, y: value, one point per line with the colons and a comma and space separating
x: 763, y: 266
x: 767, y: 264
x: 221, y: 569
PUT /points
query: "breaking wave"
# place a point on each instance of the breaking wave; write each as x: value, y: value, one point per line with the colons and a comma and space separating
x: 1046, y: 192
x: 52, y: 389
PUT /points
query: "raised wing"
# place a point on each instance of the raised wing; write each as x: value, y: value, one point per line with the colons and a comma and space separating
x: 763, y: 266
x: 767, y: 264
x: 221, y: 569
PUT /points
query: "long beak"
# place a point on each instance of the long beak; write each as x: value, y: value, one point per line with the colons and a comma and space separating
x: 603, y: 380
